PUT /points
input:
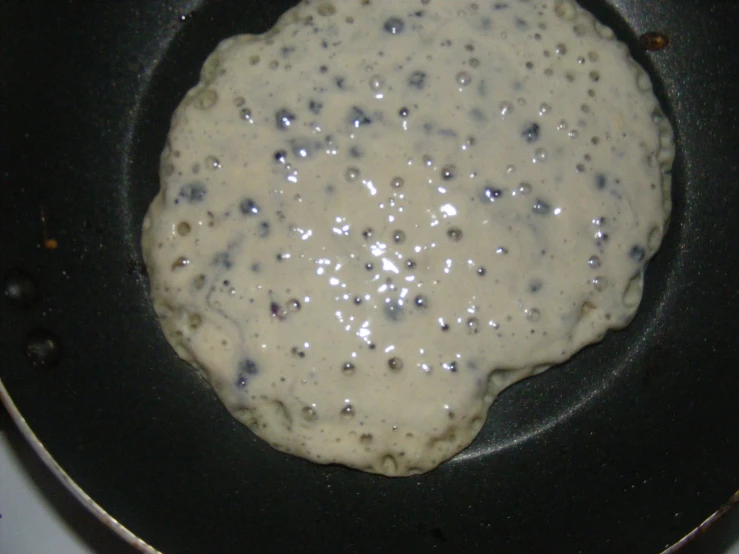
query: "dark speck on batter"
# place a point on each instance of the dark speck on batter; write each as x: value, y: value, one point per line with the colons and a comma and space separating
x: 280, y: 156
x: 358, y: 117
x: 193, y: 192
x: 222, y: 259
x: 600, y: 181
x: 248, y: 207
x: 530, y: 132
x: 284, y: 118
x: 394, y: 26
x: 491, y: 194
x: 541, y: 207
x: 315, y: 107
x: 394, y: 310
x: 637, y: 253
x: 246, y: 369
x: 417, y: 80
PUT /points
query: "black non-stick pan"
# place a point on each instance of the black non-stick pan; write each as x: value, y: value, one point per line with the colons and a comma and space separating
x: 626, y: 448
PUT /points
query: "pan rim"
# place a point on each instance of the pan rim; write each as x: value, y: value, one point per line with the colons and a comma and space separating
x: 732, y: 503
x: 70, y: 484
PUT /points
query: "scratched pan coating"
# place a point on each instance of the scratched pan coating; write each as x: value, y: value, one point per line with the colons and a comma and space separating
x: 625, y: 448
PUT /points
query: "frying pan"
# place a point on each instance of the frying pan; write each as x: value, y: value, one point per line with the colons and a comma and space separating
x: 626, y: 448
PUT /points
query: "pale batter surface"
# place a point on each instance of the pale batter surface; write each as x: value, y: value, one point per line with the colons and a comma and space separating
x: 381, y: 213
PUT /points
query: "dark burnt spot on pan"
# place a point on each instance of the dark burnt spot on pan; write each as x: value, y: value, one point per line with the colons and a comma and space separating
x: 20, y: 289
x: 654, y: 41
x: 49, y: 242
x: 655, y: 365
x: 42, y: 349
x: 434, y: 534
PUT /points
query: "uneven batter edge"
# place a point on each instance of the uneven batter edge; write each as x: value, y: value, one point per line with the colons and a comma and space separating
x: 379, y: 214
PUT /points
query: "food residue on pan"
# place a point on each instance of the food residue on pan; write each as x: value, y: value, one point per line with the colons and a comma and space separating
x: 48, y: 242
x: 378, y: 215
x: 654, y: 41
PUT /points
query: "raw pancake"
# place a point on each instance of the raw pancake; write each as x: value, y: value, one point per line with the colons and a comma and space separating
x: 381, y: 213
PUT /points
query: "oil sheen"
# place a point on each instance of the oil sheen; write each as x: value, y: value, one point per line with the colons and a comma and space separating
x: 379, y: 214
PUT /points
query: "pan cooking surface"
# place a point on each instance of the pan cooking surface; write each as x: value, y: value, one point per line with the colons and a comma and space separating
x: 625, y: 448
